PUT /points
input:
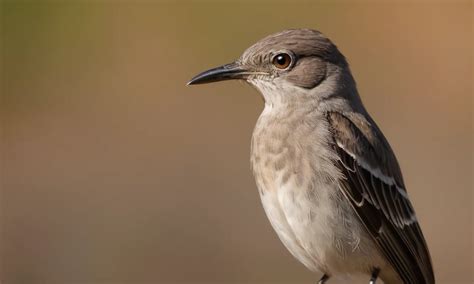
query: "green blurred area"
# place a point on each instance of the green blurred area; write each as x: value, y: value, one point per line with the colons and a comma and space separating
x: 113, y: 171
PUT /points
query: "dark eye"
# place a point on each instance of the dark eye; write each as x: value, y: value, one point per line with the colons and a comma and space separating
x: 281, y: 61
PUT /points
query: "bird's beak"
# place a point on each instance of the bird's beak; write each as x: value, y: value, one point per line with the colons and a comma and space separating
x: 225, y: 72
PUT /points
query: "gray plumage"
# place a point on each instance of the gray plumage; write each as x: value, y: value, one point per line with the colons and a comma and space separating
x: 328, y: 179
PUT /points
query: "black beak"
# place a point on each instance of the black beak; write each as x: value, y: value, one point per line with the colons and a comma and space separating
x: 225, y: 72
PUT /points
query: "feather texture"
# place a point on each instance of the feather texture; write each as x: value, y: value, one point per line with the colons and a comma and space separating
x: 374, y: 186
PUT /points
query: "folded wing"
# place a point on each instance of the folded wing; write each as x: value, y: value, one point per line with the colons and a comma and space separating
x: 374, y: 186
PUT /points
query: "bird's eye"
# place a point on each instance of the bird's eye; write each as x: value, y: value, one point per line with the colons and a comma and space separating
x: 281, y: 61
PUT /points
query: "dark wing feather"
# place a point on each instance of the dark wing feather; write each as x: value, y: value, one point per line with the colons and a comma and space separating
x: 374, y: 186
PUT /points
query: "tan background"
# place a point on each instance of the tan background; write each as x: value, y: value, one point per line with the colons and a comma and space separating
x: 113, y: 171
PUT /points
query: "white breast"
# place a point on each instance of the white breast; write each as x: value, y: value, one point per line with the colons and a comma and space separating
x: 299, y: 192
x: 300, y: 225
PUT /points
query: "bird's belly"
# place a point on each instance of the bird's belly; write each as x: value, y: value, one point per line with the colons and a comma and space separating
x: 317, y: 227
x: 297, y: 178
x: 299, y: 225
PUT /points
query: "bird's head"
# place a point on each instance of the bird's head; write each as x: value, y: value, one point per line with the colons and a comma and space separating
x: 282, y: 66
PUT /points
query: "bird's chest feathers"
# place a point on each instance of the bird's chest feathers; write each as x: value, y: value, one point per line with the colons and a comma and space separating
x: 289, y: 147
x: 295, y: 172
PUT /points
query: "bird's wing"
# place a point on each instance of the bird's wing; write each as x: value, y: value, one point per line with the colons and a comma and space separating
x: 374, y: 185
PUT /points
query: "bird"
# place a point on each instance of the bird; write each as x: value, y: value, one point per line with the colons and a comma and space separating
x: 328, y: 179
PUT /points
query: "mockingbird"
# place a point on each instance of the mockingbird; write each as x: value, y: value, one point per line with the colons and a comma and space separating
x: 328, y: 179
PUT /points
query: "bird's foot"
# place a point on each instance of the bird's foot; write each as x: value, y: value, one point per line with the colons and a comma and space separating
x: 323, y: 279
x: 374, y: 276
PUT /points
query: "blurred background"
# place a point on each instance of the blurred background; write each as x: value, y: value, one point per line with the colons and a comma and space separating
x: 113, y: 171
